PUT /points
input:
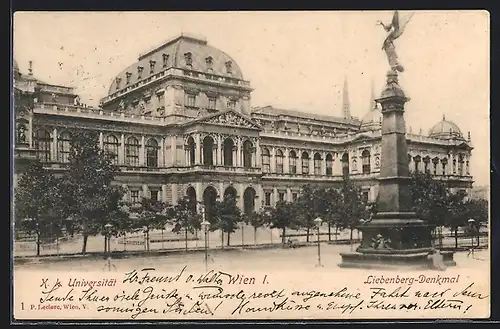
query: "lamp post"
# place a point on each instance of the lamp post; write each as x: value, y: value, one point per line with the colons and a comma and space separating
x: 146, y: 238
x: 205, y: 225
x: 471, y: 224
x: 318, y: 221
x: 268, y: 214
x: 108, y: 227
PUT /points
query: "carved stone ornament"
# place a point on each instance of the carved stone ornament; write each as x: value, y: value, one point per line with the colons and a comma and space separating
x: 381, y: 243
x: 21, y: 133
x: 231, y: 119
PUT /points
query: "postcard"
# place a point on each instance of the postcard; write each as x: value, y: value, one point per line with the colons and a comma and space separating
x: 294, y: 165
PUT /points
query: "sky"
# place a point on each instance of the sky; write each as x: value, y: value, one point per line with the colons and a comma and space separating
x: 293, y: 60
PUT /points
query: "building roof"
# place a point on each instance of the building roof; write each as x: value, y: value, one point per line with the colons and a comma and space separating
x: 176, y: 50
x: 299, y: 114
x: 445, y: 129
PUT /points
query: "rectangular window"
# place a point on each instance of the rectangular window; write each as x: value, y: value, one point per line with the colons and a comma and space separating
x: 268, y: 198
x: 134, y: 196
x: 294, y: 196
x: 281, y: 196
x: 365, y: 196
x: 190, y: 100
x: 154, y: 195
x: 212, y: 101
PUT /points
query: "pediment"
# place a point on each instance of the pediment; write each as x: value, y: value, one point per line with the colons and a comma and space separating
x: 362, y: 137
x: 229, y: 118
x: 464, y: 145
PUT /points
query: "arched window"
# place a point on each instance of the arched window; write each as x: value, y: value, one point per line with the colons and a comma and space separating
x: 279, y: 161
x: 444, y: 163
x: 152, y: 153
x: 63, y: 146
x: 366, y: 161
x: 228, y: 152
x: 460, y: 165
x: 345, y: 164
x: 426, y: 161
x: 266, y: 160
x: 417, y: 161
x: 435, y: 162
x: 305, y: 163
x: 42, y: 145
x: 132, y: 152
x: 208, y: 151
x: 191, y: 151
x: 329, y: 165
x: 317, y: 164
x: 247, y: 154
x: 293, y: 162
x: 191, y: 196
x: 111, y: 147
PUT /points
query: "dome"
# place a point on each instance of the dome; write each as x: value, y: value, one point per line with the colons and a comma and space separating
x: 445, y: 129
x: 372, y: 120
x: 176, y: 53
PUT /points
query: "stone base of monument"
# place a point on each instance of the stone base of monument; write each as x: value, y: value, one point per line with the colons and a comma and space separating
x: 394, y: 240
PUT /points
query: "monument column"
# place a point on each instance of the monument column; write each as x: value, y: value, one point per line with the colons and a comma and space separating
x: 395, y: 236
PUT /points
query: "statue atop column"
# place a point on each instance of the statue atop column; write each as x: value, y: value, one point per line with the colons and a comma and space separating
x: 395, y: 29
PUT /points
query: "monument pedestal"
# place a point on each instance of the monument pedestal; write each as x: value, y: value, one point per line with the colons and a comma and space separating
x: 395, y: 236
x: 394, y: 240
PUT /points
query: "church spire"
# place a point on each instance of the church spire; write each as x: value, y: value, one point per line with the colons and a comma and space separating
x: 346, y: 112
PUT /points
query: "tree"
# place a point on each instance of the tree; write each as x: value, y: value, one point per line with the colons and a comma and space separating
x: 36, y: 199
x: 151, y: 215
x: 306, y: 207
x: 228, y: 216
x: 353, y: 207
x: 430, y: 200
x: 256, y: 219
x: 185, y: 218
x: 477, y: 209
x: 330, y: 210
x: 89, y: 196
x: 118, y: 217
x: 282, y: 217
x: 458, y: 216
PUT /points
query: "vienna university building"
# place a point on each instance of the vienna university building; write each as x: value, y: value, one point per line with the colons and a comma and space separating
x: 179, y: 122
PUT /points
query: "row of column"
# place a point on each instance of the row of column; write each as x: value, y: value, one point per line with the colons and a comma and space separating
x: 217, y: 152
x: 290, y: 194
x: 445, y: 166
x: 336, y: 169
x: 164, y: 158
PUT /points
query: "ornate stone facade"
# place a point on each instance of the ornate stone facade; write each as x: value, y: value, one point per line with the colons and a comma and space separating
x: 178, y: 129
